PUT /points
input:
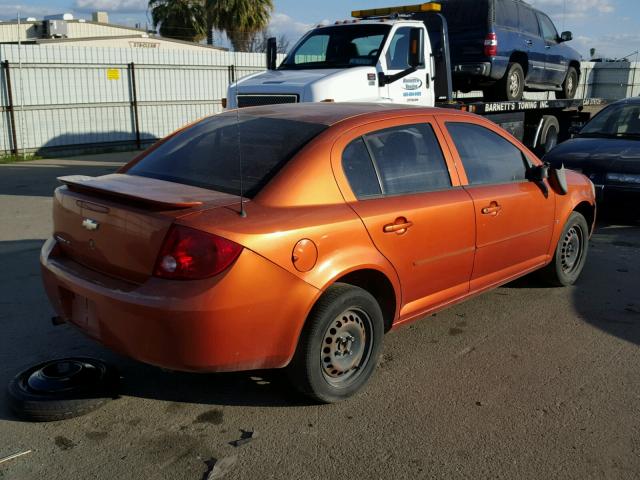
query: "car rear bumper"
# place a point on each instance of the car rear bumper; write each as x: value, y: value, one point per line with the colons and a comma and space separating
x: 248, y: 317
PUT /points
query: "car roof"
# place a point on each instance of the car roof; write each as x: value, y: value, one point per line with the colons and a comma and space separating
x: 330, y: 113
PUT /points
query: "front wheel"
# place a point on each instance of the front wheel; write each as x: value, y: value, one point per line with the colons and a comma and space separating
x: 339, y: 346
x: 571, y: 253
x: 570, y: 85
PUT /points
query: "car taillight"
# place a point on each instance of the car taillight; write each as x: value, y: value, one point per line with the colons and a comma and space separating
x: 491, y: 45
x: 190, y: 254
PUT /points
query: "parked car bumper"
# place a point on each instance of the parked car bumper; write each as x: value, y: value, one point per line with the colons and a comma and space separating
x: 247, y: 318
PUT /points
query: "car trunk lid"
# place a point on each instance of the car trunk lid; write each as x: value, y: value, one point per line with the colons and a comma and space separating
x: 116, y: 224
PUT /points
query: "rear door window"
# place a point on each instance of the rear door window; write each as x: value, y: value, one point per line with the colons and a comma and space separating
x: 506, y: 13
x: 360, y: 171
x: 487, y: 157
x: 408, y: 159
x: 210, y: 153
x: 528, y: 20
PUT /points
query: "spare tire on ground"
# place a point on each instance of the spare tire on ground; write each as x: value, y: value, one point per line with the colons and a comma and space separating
x: 62, y: 388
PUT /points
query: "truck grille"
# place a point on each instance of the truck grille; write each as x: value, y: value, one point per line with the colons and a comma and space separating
x: 258, y: 100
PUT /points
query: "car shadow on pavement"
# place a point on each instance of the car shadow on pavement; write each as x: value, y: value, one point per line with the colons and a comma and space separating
x: 28, y: 337
x: 607, y: 294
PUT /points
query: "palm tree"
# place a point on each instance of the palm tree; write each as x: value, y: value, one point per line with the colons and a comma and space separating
x: 180, y: 19
x: 239, y: 19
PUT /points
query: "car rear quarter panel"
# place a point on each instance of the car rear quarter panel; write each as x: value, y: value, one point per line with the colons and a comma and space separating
x: 302, y: 202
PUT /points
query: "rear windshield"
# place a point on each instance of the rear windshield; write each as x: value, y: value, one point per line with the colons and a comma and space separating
x: 209, y: 153
x: 465, y: 14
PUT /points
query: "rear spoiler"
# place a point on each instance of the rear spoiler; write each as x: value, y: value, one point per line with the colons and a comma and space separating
x: 158, y: 193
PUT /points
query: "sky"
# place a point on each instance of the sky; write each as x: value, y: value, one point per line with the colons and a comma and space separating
x: 612, y: 27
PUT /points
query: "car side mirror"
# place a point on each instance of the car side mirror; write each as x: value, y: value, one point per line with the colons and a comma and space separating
x: 538, y: 173
x: 566, y: 36
x: 272, y: 53
x: 415, y: 48
x: 558, y: 179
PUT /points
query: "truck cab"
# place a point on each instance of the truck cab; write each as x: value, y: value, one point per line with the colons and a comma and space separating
x: 385, y: 58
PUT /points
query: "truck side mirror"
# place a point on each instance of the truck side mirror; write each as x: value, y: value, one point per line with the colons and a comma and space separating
x: 272, y: 53
x: 566, y: 36
x: 416, y: 55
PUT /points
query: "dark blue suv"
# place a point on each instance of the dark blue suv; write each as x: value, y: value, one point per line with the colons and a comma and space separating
x: 504, y: 47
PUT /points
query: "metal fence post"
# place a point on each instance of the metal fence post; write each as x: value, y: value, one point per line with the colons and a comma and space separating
x: 12, y: 115
x: 231, y: 70
x: 134, y: 103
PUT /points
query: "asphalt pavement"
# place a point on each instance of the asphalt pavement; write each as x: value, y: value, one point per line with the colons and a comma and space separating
x: 521, y: 382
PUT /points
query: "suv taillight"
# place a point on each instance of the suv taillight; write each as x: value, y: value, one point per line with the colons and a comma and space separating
x: 491, y: 45
x: 190, y: 254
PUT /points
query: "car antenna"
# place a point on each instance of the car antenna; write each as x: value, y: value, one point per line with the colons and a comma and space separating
x: 243, y: 212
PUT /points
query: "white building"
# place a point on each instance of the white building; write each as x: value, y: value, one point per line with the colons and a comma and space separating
x: 64, y: 30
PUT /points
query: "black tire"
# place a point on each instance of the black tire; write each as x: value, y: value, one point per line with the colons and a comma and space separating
x: 511, y: 86
x: 548, y: 135
x: 570, y: 85
x: 570, y: 254
x: 342, y: 308
x: 40, y: 405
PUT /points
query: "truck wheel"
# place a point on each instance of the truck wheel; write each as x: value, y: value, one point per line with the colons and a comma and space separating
x: 339, y: 346
x: 571, y: 253
x: 61, y: 389
x: 570, y: 85
x: 548, y: 135
x: 511, y: 86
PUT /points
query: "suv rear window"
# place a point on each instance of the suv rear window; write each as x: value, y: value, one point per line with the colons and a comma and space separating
x: 208, y: 154
x: 465, y: 14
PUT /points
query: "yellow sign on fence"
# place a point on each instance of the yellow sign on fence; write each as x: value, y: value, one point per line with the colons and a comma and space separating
x: 113, y: 74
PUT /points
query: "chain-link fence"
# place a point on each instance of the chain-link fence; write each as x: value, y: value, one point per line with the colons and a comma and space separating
x: 65, y: 99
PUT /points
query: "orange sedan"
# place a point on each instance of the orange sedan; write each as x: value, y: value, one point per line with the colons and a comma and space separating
x: 297, y: 235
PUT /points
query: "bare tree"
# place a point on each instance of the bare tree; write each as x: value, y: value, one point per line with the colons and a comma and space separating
x: 258, y: 42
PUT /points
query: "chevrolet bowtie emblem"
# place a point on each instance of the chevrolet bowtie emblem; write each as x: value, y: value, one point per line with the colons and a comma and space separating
x: 90, y: 225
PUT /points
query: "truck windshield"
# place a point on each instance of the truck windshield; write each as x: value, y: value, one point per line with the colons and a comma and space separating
x: 338, y: 47
x: 620, y: 120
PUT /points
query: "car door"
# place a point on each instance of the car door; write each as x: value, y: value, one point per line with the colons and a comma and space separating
x: 404, y: 187
x: 555, y: 63
x: 514, y: 216
x: 532, y: 43
x: 415, y: 88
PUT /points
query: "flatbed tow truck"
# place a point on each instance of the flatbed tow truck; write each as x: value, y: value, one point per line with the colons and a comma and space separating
x: 397, y: 55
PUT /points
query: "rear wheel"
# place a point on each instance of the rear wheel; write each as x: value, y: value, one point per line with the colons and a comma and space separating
x: 571, y: 253
x: 548, y: 138
x: 570, y: 85
x: 339, y: 346
x: 510, y: 87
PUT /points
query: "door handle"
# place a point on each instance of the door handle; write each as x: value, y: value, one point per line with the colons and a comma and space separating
x: 399, y: 227
x: 528, y: 42
x: 493, y: 209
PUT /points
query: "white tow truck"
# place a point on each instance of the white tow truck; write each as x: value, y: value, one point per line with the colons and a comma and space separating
x: 398, y: 55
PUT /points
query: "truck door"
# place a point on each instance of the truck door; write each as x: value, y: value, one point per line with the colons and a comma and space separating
x: 415, y: 88
x: 555, y: 64
x: 532, y: 44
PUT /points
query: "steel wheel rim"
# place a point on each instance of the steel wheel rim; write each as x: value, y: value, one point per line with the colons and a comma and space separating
x: 346, y: 347
x: 570, y: 84
x: 514, y: 84
x: 571, y: 252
